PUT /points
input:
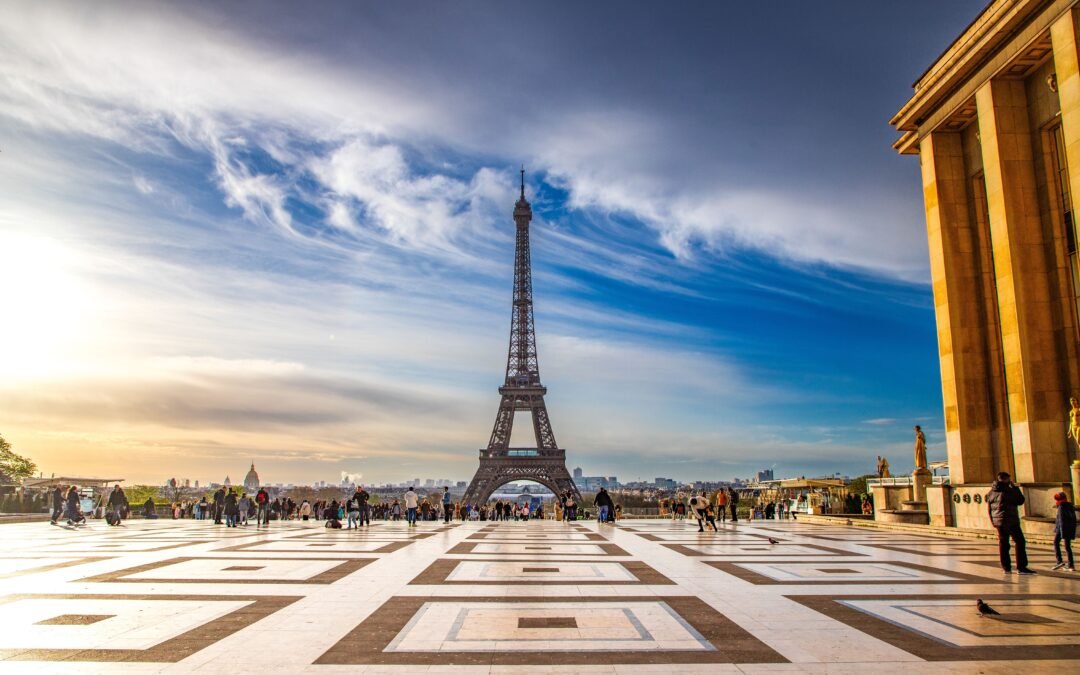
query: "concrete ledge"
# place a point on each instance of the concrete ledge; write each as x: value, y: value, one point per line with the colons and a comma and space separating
x: 967, y: 533
x: 23, y: 517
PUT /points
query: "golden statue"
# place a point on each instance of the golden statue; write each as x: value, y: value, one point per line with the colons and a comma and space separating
x: 883, y: 467
x: 1074, y: 423
x: 920, y: 448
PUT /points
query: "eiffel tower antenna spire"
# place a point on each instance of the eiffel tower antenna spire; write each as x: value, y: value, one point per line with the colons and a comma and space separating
x: 544, y: 463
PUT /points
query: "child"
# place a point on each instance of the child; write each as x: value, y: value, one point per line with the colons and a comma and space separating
x: 710, y: 517
x: 1064, y: 530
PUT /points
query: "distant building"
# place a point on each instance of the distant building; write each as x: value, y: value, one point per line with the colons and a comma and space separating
x: 251, y: 480
x: 665, y: 483
x: 227, y: 483
x: 578, y: 474
x: 764, y: 475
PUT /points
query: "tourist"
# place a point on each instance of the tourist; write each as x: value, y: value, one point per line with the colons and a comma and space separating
x: 365, y: 508
x: 230, y: 508
x: 1064, y: 530
x: 571, y: 507
x: 525, y: 511
x: 305, y: 510
x: 73, y: 510
x: 118, y: 503
x: 219, y: 505
x: 1003, y: 502
x: 262, y: 504
x: 332, y: 515
x: 353, y: 507
x: 721, y: 505
x: 699, y: 511
x: 867, y: 507
x: 244, y: 507
x: 604, y: 505
x: 410, y: 506
x: 57, y: 504
x: 733, y: 504
x: 447, y: 511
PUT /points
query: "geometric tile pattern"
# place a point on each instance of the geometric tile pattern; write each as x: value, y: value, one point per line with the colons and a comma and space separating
x: 455, y: 630
x: 949, y: 628
x: 184, y: 596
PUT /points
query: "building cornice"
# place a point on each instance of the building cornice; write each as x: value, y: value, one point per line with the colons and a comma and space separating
x: 1003, y: 31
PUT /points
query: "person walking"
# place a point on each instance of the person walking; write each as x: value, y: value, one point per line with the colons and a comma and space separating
x: 733, y: 504
x: 72, y: 508
x: 244, y: 506
x: 57, y: 505
x: 231, y: 509
x: 410, y: 506
x: 446, y: 505
x: 353, y: 509
x: 603, y: 505
x: 262, y: 502
x: 1003, y: 502
x: 118, y: 504
x: 305, y: 510
x: 1064, y: 531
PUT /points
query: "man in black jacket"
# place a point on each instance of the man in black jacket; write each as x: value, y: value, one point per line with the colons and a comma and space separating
x: 219, y: 505
x: 1003, y: 502
x: 57, y: 504
x: 118, y: 503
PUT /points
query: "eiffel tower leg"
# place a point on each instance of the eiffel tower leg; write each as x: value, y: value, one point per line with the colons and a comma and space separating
x: 504, y: 423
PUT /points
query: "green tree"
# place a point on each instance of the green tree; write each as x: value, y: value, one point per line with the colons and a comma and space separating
x: 858, y: 485
x: 15, y: 466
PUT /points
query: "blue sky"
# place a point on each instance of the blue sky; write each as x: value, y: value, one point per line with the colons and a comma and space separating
x: 282, y: 234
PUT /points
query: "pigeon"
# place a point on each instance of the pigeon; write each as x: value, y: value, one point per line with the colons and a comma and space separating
x: 773, y: 541
x: 985, y: 609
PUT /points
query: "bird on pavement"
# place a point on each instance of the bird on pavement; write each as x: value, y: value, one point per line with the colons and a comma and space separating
x: 985, y: 609
x: 773, y: 541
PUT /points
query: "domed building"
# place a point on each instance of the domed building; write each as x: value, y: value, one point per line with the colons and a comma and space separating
x: 251, y: 480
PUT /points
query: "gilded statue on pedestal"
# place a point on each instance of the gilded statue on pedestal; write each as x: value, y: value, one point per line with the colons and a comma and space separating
x: 1074, y: 425
x: 883, y: 467
x: 920, y: 448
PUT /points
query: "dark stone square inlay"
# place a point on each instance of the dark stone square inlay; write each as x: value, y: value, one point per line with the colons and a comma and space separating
x: 243, y: 568
x: 74, y: 619
x: 837, y: 570
x: 537, y: 548
x: 539, y: 569
x: 547, y: 622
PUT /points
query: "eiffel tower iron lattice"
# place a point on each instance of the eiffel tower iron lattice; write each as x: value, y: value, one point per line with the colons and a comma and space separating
x: 546, y: 462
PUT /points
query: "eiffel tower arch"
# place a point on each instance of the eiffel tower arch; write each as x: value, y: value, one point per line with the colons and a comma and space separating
x: 544, y: 463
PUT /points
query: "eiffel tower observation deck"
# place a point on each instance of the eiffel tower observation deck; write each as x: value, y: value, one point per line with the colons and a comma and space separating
x: 544, y: 463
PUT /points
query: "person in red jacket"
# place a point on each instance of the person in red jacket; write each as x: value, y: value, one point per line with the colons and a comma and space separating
x: 262, y: 501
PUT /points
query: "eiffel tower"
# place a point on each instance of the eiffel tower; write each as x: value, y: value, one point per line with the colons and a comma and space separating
x: 546, y: 462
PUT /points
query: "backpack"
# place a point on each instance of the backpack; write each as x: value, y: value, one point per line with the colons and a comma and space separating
x: 111, y: 518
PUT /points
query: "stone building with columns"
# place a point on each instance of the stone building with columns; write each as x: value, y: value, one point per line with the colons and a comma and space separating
x: 995, y: 122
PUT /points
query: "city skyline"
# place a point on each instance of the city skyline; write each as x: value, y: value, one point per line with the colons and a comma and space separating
x: 239, y: 233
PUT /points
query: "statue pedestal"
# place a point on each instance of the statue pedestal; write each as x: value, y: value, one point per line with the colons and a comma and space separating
x: 920, y: 480
x: 1075, y: 470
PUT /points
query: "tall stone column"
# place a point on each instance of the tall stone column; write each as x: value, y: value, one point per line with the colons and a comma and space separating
x: 1063, y: 35
x: 1032, y: 377
x: 957, y: 293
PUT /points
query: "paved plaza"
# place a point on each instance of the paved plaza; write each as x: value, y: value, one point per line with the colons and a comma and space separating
x: 642, y: 596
